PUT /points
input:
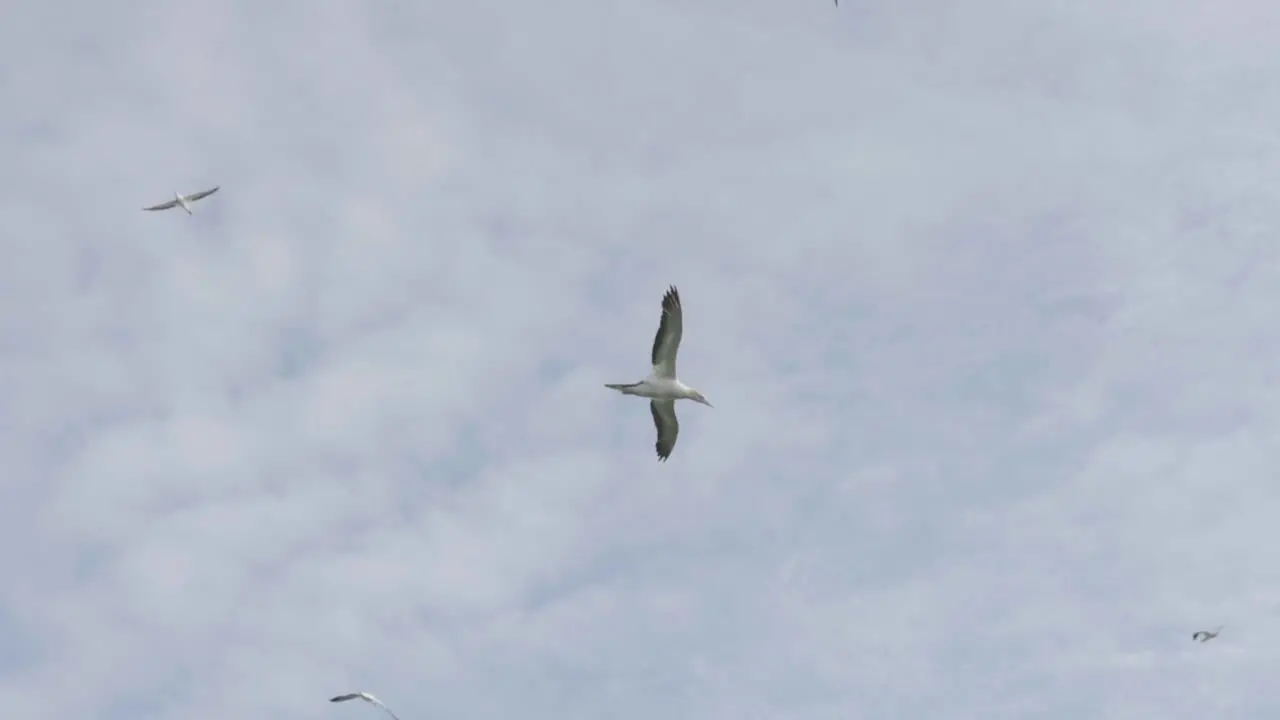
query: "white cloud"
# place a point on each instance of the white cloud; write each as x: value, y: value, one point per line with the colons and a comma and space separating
x: 984, y: 297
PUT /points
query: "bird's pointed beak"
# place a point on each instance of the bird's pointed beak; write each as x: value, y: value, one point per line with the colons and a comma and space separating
x: 704, y: 402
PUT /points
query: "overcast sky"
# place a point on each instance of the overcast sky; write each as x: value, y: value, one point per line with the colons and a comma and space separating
x: 986, y: 296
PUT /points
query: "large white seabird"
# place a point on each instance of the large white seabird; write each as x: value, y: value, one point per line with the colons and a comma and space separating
x: 183, y: 201
x: 661, y: 386
x: 367, y: 698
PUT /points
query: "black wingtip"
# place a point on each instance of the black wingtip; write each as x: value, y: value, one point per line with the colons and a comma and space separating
x: 672, y: 298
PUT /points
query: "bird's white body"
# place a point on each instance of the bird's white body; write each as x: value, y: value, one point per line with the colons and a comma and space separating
x: 183, y: 201
x: 662, y: 387
x: 659, y: 388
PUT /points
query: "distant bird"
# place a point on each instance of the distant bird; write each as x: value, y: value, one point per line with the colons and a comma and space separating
x: 367, y: 698
x: 183, y: 201
x: 1207, y: 635
x: 661, y: 386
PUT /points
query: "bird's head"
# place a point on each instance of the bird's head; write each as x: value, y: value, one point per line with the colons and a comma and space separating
x: 697, y: 397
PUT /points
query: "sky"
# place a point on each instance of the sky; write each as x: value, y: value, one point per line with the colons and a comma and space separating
x: 985, y: 295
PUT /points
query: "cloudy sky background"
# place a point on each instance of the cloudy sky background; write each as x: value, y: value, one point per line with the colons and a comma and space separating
x: 986, y: 294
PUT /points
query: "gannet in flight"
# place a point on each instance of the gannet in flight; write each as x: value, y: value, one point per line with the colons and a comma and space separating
x: 1206, y: 635
x: 661, y: 386
x: 183, y: 201
x: 367, y: 698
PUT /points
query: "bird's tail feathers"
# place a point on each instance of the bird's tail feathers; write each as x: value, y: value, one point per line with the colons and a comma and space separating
x: 625, y: 389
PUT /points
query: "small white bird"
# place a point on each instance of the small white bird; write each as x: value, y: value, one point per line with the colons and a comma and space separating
x: 1207, y: 635
x: 183, y: 201
x: 367, y: 698
x: 661, y: 386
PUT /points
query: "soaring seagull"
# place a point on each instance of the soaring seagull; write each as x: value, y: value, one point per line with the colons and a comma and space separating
x: 1207, y: 635
x: 183, y: 201
x: 367, y: 698
x: 661, y: 386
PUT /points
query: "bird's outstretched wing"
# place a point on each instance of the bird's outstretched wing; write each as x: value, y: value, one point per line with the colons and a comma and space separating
x: 385, y: 709
x: 163, y: 206
x: 364, y: 696
x: 668, y: 427
x: 667, y: 342
x: 202, y: 194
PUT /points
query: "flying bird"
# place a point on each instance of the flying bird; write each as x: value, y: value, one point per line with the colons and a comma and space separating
x: 367, y: 698
x: 183, y: 201
x: 662, y: 387
x: 1206, y: 635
